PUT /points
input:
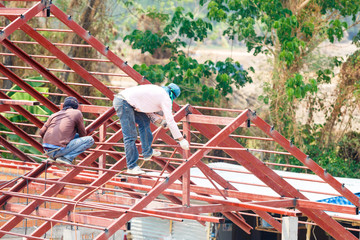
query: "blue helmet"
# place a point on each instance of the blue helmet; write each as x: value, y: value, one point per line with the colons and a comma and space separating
x: 173, y: 90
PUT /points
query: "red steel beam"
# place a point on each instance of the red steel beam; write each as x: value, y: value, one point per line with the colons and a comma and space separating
x: 24, y: 112
x: 302, y: 157
x: 22, y: 19
x: 18, y: 81
x: 196, y: 157
x: 17, y: 12
x: 79, y: 218
x: 22, y: 156
x: 65, y: 59
x: 43, y: 71
x: 98, y: 182
x: 274, y: 181
x: 21, y: 133
x: 86, y: 36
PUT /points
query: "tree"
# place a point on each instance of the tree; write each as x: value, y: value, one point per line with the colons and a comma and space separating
x: 207, y: 83
x: 289, y: 32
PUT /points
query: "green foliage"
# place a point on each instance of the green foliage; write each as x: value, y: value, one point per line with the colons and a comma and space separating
x: 195, y: 78
x: 25, y: 96
x: 295, y: 87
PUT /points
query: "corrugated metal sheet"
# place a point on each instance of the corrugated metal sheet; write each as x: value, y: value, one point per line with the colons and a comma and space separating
x: 189, y: 230
x: 149, y: 228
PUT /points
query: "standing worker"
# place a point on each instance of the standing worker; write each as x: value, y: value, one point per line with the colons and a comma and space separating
x: 64, y: 135
x: 133, y: 105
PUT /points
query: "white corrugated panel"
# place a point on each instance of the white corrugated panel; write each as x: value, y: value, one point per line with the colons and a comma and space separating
x: 189, y: 230
x: 148, y: 228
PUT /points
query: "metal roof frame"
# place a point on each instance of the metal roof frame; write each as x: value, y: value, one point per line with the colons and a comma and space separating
x: 140, y: 192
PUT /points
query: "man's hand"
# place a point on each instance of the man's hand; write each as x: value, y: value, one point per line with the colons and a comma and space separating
x: 164, y: 125
x: 184, y: 144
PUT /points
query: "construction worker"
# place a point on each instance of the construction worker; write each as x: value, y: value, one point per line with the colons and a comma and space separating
x: 134, y: 105
x: 64, y: 135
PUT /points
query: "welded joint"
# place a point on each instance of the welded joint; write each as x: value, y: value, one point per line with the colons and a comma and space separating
x: 272, y: 129
x: 295, y: 202
x: 187, y: 110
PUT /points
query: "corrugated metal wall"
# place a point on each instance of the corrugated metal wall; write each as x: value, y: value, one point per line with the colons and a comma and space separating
x: 149, y: 228
x: 189, y: 230
x: 157, y: 229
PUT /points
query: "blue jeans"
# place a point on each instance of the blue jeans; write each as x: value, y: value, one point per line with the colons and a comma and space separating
x: 128, y: 117
x: 73, y: 148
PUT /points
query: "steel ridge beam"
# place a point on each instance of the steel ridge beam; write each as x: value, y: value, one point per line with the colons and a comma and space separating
x: 275, y: 182
x: 174, y: 175
x: 22, y: 19
x: 14, y: 150
x: 53, y: 190
x: 105, y: 177
x: 302, y: 157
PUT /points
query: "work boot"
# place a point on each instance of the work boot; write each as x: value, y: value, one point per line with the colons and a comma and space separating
x: 155, y: 153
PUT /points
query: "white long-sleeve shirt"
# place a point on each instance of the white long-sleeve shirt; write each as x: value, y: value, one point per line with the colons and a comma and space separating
x: 150, y: 99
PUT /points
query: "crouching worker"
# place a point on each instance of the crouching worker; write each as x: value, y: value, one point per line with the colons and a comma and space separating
x: 133, y: 106
x: 64, y: 136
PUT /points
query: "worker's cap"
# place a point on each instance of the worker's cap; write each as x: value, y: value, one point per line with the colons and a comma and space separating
x: 173, y: 90
x: 70, y: 102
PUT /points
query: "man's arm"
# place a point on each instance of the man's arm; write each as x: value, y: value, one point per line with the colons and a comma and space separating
x: 80, y: 125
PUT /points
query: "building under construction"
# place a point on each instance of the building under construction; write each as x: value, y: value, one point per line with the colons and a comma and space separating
x: 221, y: 188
